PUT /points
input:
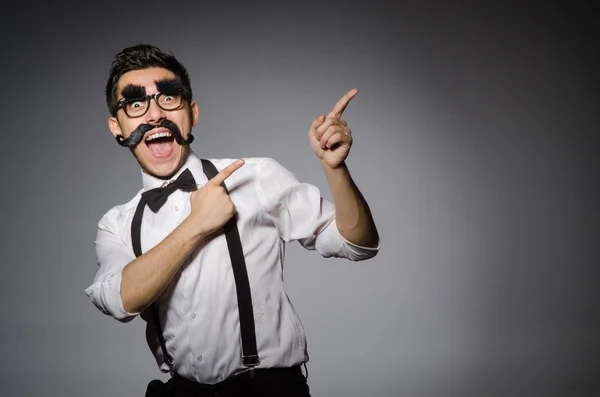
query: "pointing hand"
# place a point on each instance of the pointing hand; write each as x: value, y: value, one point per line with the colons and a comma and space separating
x: 330, y: 137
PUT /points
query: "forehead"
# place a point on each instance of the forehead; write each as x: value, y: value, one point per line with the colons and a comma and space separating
x: 146, y: 78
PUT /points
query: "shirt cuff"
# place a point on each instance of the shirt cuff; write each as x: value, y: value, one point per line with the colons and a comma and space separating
x: 330, y: 242
x: 105, y: 294
x: 358, y: 252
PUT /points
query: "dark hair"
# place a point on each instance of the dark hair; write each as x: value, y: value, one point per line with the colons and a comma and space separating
x: 143, y: 56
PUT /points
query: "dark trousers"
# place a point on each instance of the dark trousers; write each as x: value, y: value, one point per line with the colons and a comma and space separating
x: 268, y: 382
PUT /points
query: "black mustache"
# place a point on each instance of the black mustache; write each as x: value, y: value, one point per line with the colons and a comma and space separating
x: 138, y: 134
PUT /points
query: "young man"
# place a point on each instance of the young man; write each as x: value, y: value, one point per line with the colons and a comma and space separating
x: 184, y: 266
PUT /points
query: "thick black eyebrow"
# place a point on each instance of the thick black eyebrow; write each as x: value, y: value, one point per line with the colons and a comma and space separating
x: 131, y: 91
x: 169, y: 86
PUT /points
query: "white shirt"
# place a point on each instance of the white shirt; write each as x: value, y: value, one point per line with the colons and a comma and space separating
x: 198, y: 310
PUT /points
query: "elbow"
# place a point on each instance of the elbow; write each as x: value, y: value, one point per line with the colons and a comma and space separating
x: 129, y: 306
x: 360, y: 237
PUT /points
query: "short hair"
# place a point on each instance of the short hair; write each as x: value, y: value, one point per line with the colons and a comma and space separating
x: 143, y: 56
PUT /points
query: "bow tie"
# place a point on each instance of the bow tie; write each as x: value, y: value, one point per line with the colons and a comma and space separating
x: 156, y: 198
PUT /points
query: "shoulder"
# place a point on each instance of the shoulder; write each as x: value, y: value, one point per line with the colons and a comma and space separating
x: 119, y: 214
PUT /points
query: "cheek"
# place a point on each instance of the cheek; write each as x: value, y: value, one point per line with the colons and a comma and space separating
x: 127, y: 127
x: 185, y: 125
x: 188, y: 127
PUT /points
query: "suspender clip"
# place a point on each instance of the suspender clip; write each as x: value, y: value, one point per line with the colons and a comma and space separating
x: 250, y: 360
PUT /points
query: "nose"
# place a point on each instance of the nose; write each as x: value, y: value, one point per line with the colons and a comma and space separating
x: 155, y: 114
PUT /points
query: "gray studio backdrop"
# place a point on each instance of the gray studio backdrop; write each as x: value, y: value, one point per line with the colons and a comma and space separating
x: 475, y: 144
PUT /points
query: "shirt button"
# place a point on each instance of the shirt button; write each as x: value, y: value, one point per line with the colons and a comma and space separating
x: 175, y: 208
x: 199, y: 357
x: 193, y: 315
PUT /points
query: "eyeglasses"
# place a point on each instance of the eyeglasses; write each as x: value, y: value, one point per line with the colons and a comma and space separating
x: 138, y: 107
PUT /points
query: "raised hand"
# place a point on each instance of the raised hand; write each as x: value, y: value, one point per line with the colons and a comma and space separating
x: 330, y: 137
x: 211, y: 206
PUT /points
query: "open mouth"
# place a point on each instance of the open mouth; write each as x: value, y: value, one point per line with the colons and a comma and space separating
x: 160, y: 143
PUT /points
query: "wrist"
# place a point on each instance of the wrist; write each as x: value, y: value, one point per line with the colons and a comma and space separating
x: 339, y: 169
x: 194, y: 229
x: 327, y: 167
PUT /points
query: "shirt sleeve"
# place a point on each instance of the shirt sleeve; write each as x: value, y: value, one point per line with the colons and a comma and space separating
x: 112, y: 256
x: 301, y: 214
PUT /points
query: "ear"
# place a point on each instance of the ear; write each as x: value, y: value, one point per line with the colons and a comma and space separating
x: 113, y: 125
x: 195, y: 113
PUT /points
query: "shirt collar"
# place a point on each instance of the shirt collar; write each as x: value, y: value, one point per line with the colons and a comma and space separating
x: 192, y: 163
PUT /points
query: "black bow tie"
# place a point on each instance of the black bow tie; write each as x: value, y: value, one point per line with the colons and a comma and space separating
x: 156, y: 198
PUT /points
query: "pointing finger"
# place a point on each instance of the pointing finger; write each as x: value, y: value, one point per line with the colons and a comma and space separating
x: 340, y: 106
x: 226, y: 172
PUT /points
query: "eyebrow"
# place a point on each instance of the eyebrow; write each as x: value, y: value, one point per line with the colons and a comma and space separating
x: 131, y: 91
x: 169, y: 86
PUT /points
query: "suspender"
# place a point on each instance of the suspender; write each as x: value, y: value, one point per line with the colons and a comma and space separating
x: 250, y: 357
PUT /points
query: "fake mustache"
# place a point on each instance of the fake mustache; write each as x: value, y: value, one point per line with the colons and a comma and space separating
x: 138, y: 134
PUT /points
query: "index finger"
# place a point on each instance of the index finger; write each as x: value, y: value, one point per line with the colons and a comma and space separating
x: 340, y: 106
x: 226, y: 172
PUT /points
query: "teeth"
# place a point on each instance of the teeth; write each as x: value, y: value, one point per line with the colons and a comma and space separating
x: 158, y: 135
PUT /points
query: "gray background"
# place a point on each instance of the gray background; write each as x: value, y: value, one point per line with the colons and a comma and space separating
x: 475, y: 144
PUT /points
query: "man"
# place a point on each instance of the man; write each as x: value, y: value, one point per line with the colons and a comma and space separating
x: 184, y: 267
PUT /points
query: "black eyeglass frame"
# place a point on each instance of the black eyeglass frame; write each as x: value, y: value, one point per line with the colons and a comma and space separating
x: 121, y: 103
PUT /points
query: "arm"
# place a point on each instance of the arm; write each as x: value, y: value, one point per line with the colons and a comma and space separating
x: 331, y: 139
x: 123, y: 286
x: 352, y: 214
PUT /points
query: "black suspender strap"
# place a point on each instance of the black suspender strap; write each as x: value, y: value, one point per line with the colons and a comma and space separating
x: 242, y: 285
x: 250, y: 357
x: 136, y: 229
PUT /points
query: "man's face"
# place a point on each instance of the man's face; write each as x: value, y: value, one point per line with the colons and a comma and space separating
x: 160, y: 157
